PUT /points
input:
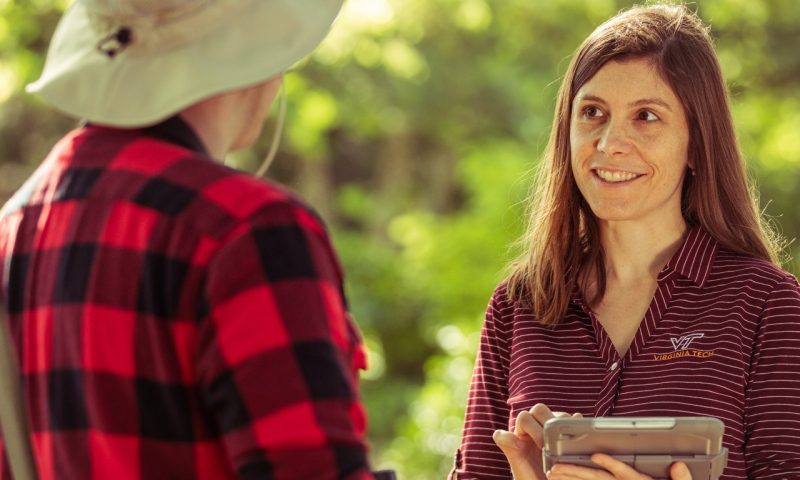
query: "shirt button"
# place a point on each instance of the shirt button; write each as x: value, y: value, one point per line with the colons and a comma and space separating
x: 614, y: 366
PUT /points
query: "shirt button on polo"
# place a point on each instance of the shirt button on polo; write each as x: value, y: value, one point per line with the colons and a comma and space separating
x: 614, y: 366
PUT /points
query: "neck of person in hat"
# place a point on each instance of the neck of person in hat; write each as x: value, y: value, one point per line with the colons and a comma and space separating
x: 232, y: 120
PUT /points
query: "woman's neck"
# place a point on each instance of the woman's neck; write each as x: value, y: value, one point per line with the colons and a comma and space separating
x: 635, y: 251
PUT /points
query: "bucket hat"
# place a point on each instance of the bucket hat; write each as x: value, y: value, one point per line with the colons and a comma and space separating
x: 130, y: 63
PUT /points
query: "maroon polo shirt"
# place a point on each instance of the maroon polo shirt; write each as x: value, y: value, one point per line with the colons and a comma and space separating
x: 721, y: 338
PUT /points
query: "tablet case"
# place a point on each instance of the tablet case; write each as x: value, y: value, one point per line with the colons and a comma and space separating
x: 648, y: 444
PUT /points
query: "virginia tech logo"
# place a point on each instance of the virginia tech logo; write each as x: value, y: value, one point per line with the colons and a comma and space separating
x: 683, y: 342
x: 680, y: 346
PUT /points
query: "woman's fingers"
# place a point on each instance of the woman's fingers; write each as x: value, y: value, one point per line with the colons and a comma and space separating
x: 541, y: 413
x: 679, y: 471
x: 523, y: 458
x: 617, y: 468
x: 528, y: 426
x: 530, y: 422
x: 620, y: 470
x: 523, y: 447
x: 563, y: 471
x: 509, y: 443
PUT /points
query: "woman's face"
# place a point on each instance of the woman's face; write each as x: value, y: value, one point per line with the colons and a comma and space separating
x: 629, y: 139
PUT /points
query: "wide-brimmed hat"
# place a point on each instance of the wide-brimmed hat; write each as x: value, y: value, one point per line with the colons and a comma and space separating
x: 131, y: 63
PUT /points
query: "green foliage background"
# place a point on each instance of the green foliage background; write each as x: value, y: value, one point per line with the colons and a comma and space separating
x: 414, y: 130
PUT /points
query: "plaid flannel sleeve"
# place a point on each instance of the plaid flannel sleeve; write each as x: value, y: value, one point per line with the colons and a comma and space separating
x: 277, y: 353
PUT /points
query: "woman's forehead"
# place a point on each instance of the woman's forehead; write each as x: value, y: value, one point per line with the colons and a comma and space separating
x: 628, y: 82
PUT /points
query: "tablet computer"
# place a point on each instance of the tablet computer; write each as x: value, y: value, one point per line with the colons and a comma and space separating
x: 648, y: 444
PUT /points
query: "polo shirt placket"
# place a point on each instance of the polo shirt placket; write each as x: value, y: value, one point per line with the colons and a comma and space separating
x: 615, y: 365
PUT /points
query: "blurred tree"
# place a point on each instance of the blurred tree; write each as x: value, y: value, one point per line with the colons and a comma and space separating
x: 414, y: 129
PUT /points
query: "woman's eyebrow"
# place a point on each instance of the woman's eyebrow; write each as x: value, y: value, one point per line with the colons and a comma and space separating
x: 638, y: 103
x: 651, y: 101
x: 590, y: 98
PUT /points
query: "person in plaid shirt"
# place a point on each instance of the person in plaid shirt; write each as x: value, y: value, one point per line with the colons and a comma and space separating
x: 174, y: 318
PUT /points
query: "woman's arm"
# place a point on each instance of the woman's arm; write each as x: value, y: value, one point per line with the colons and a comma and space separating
x: 772, y: 409
x: 487, y: 410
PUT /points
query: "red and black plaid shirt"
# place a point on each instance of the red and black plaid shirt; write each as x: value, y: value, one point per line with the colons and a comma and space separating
x: 175, y: 319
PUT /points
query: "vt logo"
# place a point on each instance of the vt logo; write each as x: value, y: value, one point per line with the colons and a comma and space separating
x: 683, y: 342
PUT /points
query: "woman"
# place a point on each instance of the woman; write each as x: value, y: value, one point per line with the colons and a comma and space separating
x: 649, y: 283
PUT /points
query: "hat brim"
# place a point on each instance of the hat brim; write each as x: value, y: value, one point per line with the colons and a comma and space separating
x: 132, y: 90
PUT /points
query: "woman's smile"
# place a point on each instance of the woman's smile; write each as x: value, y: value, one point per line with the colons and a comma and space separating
x: 615, y: 176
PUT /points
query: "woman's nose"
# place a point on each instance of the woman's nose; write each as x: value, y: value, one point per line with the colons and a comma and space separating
x: 614, y: 138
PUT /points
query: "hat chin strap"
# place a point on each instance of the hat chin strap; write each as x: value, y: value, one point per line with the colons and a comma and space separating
x: 276, y: 137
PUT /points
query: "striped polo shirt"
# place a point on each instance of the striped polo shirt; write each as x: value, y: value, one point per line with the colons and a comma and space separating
x: 721, y: 338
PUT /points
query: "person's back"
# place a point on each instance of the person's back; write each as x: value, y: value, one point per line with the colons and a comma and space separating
x: 174, y: 318
x: 135, y: 265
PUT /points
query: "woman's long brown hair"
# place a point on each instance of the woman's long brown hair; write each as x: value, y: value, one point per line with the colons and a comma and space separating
x: 562, y: 242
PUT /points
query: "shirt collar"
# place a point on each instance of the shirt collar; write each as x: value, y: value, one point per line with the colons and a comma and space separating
x: 694, y: 258
x: 176, y: 130
x: 692, y: 261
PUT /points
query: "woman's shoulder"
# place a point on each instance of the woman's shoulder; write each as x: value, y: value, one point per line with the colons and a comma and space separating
x: 733, y: 265
x: 502, y: 297
x: 506, y: 305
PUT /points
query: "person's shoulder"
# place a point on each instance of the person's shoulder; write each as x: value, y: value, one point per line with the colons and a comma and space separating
x: 504, y: 304
x: 746, y: 268
x: 501, y: 293
x: 258, y: 202
x: 217, y: 198
x: 243, y: 195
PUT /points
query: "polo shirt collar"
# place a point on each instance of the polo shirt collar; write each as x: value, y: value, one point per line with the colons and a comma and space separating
x: 693, y: 261
x: 694, y: 258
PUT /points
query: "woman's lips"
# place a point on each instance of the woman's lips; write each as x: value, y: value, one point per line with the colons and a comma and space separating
x: 615, y: 176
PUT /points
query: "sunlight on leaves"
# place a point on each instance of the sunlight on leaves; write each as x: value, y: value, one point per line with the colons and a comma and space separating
x: 358, y: 20
x: 8, y: 81
x: 781, y: 149
x: 376, y: 360
x: 731, y: 64
x: 404, y: 61
x: 4, y: 29
x: 450, y: 338
x: 367, y: 13
x: 473, y: 15
x: 367, y: 53
x: 316, y: 112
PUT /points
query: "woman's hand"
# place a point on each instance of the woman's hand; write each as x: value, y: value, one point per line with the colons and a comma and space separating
x: 618, y: 471
x: 523, y: 447
x: 523, y: 450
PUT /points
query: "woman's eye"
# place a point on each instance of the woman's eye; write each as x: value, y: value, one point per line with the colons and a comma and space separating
x: 592, y: 112
x: 647, y: 116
